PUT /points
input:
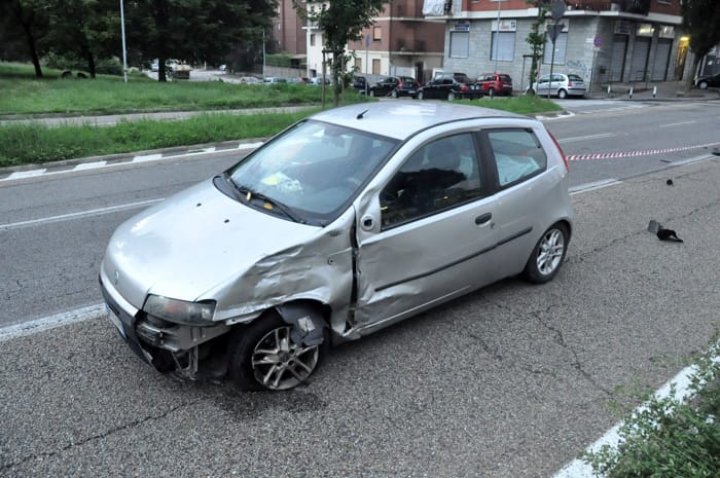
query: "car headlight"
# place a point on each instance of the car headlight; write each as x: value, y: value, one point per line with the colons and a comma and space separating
x: 180, y: 311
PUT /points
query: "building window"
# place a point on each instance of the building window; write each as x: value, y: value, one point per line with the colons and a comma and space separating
x: 377, y: 33
x: 312, y: 39
x: 503, y: 46
x: 459, y: 44
x: 358, y: 64
x: 375, y: 66
x: 560, y: 48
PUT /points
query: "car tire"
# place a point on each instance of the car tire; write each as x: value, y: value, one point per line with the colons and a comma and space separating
x: 451, y: 96
x: 531, y: 92
x: 547, y: 255
x: 270, y: 332
x: 562, y: 94
x: 420, y: 95
x: 394, y: 94
x: 703, y: 85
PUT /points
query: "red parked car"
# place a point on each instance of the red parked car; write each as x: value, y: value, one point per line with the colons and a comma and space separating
x: 495, y: 84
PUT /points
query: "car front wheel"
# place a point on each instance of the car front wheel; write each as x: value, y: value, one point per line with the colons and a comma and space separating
x: 548, y: 255
x: 703, y: 85
x: 265, y: 357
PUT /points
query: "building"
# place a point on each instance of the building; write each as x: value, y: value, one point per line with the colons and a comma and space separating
x: 603, y: 41
x: 401, y: 41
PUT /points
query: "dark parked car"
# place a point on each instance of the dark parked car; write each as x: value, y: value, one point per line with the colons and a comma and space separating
x: 704, y: 81
x: 359, y: 83
x: 395, y: 86
x: 495, y: 84
x: 446, y: 88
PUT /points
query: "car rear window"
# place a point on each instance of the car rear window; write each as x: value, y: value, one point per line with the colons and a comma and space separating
x: 506, y: 78
x: 518, y: 154
x: 575, y: 78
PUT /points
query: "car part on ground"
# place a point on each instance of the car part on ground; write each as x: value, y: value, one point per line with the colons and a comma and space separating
x: 343, y: 224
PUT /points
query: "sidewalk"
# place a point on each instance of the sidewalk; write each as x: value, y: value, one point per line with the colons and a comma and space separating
x: 654, y: 91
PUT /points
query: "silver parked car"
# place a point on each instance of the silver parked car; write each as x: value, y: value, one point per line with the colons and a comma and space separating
x: 343, y: 224
x: 562, y: 85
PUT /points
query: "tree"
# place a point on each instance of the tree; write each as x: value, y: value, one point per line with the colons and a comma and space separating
x: 194, y: 30
x: 701, y: 19
x: 29, y: 20
x: 86, y: 28
x: 341, y: 21
x: 535, y: 38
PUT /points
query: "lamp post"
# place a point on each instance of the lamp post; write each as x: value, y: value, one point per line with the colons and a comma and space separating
x: 122, y: 33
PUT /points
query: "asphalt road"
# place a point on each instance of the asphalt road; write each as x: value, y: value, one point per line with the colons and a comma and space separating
x: 511, y: 381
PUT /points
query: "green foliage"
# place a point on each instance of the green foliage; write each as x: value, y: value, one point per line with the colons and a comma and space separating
x: 341, y: 21
x: 536, y: 38
x: 701, y: 18
x: 278, y: 59
x: 668, y: 438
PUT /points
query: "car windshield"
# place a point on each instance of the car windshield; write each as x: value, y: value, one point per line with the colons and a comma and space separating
x: 311, y: 172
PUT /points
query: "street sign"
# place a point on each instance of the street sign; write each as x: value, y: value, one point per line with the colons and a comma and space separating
x: 557, y: 10
x: 554, y: 31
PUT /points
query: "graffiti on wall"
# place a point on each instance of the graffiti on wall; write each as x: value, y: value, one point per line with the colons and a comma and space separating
x: 579, y: 67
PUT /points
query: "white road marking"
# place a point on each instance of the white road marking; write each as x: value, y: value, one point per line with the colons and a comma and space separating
x: 678, y: 388
x: 583, y: 138
x: 26, y: 174
x: 76, y: 215
x: 593, y: 186
x: 93, y: 165
x: 147, y: 157
x: 681, y: 123
x: 46, y: 323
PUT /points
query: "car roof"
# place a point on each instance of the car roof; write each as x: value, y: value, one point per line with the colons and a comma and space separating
x: 402, y: 119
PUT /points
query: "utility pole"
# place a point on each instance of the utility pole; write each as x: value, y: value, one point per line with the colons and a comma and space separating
x: 122, y: 32
x: 557, y: 10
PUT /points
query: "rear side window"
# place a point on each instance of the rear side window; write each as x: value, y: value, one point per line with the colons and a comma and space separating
x: 575, y: 78
x: 518, y: 155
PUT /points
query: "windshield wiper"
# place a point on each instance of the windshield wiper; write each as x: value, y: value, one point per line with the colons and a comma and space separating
x: 248, y: 194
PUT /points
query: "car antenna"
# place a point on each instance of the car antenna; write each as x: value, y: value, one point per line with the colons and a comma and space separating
x: 361, y: 115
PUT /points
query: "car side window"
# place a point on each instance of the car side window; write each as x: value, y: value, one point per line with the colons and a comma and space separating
x: 438, y: 176
x: 518, y: 155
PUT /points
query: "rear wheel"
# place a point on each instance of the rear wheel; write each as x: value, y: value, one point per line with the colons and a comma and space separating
x: 531, y: 92
x: 562, y: 94
x: 703, y: 85
x: 548, y: 255
x: 264, y: 356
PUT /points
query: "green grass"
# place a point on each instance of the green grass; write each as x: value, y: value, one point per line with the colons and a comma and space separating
x: 22, y: 94
x: 668, y: 438
x: 523, y: 105
x: 35, y: 143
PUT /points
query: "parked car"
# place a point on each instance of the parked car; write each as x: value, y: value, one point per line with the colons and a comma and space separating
x: 255, y: 272
x: 318, y: 81
x: 395, y: 86
x: 359, y: 83
x: 495, y: 84
x: 562, y: 85
x: 272, y: 80
x: 446, y: 88
x: 250, y: 80
x: 705, y: 81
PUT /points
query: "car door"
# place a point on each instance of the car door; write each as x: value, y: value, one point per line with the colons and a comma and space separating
x: 526, y: 191
x: 427, y: 235
x: 543, y: 84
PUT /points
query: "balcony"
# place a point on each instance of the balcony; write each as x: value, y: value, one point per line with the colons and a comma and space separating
x: 403, y: 45
x: 641, y: 7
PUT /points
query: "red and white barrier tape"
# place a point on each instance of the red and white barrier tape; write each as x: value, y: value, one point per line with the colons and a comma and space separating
x: 632, y: 154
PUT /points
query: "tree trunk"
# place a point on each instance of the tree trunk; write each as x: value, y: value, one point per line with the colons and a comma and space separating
x: 337, y: 69
x: 32, y: 46
x: 162, y: 76
x: 89, y: 57
x: 690, y: 80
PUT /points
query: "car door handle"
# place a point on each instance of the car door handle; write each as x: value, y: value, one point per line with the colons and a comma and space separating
x: 480, y: 220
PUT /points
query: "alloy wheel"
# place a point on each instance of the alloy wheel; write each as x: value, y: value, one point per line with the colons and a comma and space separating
x: 279, y: 363
x: 550, y: 252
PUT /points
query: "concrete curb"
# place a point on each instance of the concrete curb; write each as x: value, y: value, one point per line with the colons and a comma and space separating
x: 93, y: 162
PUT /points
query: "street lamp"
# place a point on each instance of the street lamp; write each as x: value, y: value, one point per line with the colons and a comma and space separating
x: 122, y: 30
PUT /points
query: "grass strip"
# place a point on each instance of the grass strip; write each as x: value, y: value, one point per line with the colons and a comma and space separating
x: 36, y: 143
x: 523, y: 105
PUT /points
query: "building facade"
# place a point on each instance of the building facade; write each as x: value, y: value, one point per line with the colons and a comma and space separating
x: 603, y: 41
x: 401, y: 41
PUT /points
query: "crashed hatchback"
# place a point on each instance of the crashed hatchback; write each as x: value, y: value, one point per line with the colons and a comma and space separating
x: 343, y: 224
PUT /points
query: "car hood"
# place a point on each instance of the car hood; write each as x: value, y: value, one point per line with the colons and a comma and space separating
x: 192, y: 242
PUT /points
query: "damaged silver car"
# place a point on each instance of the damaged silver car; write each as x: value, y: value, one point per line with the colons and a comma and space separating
x: 344, y: 223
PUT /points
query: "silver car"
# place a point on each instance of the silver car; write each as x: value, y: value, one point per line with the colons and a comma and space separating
x: 343, y: 224
x: 562, y: 85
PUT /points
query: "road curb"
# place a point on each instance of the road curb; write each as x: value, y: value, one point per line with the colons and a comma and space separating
x: 92, y: 162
